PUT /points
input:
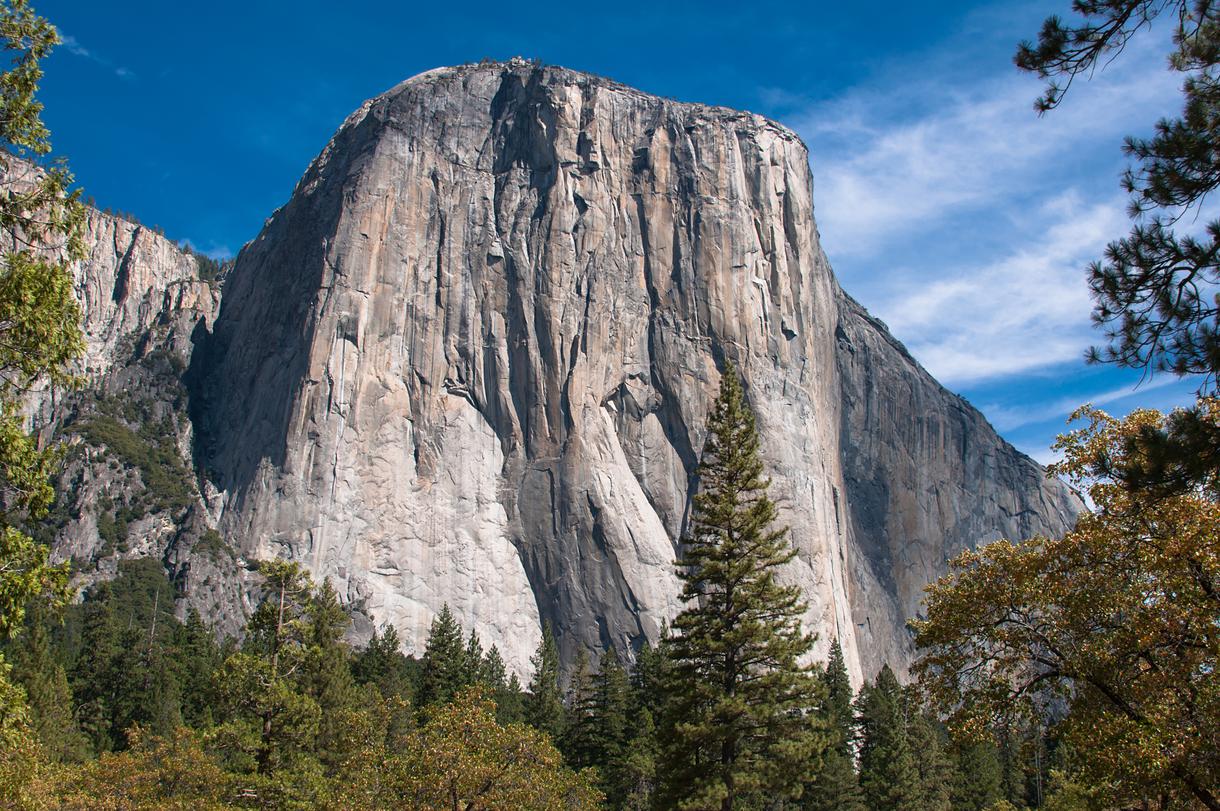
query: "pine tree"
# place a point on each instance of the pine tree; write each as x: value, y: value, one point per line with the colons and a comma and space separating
x: 836, y: 786
x: 256, y: 686
x: 196, y: 658
x: 889, y: 775
x: 580, y: 743
x: 544, y: 701
x: 933, y: 762
x: 492, y: 671
x: 472, y: 662
x: 647, y: 680
x: 976, y: 784
x: 47, y: 692
x: 738, y: 711
x: 510, y: 704
x: 92, y: 675
x: 635, y: 784
x: 444, y: 665
x: 383, y: 664
x: 611, y: 708
x: 326, y: 675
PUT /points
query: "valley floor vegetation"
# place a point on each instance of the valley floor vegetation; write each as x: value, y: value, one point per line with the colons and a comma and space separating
x: 1064, y: 674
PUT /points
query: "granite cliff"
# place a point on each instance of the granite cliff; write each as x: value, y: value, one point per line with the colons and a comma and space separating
x: 469, y: 362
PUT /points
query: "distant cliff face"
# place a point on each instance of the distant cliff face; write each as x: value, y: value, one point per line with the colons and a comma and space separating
x: 470, y: 361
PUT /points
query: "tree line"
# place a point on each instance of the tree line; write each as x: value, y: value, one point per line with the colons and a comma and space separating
x: 723, y: 713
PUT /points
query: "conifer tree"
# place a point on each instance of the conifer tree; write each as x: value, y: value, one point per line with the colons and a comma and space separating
x: 836, y: 786
x: 510, y: 704
x: 256, y: 685
x: 611, y: 709
x: 325, y: 674
x: 889, y: 775
x: 930, y: 750
x: 636, y: 781
x: 445, y: 671
x: 472, y: 661
x: 92, y: 675
x: 580, y: 744
x: 647, y: 680
x: 197, y: 658
x: 544, y: 701
x: 976, y: 785
x: 739, y: 721
x: 47, y: 692
x: 492, y: 671
x: 383, y: 665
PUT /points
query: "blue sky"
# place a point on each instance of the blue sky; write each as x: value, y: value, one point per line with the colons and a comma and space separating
x: 945, y: 204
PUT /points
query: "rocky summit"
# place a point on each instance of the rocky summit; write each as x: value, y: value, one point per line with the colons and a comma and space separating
x: 469, y: 363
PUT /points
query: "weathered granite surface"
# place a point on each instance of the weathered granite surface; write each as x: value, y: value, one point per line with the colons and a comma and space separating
x: 470, y: 360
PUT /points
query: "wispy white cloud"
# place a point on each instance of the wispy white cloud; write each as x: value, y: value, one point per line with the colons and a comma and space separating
x: 1012, y: 314
x: 74, y: 47
x: 1006, y: 417
x: 884, y: 169
x: 963, y: 219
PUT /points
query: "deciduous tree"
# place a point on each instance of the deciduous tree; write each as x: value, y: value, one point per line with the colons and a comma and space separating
x: 1115, y: 622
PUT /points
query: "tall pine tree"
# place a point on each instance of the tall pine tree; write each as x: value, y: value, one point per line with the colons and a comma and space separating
x: 836, y: 786
x: 544, y: 701
x: 739, y: 722
x: 889, y: 774
x: 445, y: 670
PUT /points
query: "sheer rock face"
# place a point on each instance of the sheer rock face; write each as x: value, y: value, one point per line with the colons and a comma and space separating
x: 925, y: 477
x: 470, y: 361
x: 132, y: 280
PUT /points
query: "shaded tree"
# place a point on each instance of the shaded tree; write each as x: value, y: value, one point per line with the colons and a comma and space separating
x: 445, y: 670
x: 543, y: 699
x: 889, y: 775
x: 835, y: 786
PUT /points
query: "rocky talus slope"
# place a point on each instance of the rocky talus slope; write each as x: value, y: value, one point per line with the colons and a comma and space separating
x: 470, y: 360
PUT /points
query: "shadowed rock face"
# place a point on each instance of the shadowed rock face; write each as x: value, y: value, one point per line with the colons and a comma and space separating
x: 469, y: 363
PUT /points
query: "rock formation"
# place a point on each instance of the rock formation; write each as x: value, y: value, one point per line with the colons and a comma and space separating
x: 469, y: 362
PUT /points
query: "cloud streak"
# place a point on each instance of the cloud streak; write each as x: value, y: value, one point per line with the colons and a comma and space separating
x: 963, y: 220
x: 74, y: 47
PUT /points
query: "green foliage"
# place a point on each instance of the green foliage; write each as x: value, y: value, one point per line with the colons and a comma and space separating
x: 543, y: 701
x: 1155, y: 289
x: 462, y: 758
x: 889, y: 775
x: 39, y: 326
x: 739, y: 715
x: 383, y: 665
x: 835, y: 786
x: 445, y: 667
x: 131, y: 661
x: 153, y: 451
x: 47, y: 692
x: 977, y: 785
x: 212, y: 545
